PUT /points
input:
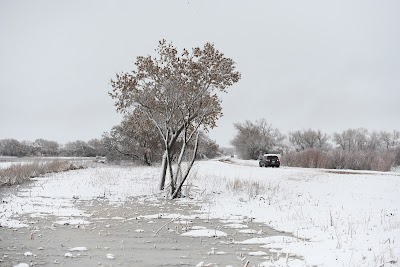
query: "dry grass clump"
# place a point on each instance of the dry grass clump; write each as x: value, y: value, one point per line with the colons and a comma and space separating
x: 18, y: 173
x: 251, y: 188
x: 263, y: 190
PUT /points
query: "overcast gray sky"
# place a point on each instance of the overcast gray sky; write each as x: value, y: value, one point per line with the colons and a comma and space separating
x: 328, y: 65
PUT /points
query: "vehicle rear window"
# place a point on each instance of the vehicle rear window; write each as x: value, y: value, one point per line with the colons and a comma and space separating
x: 272, y: 157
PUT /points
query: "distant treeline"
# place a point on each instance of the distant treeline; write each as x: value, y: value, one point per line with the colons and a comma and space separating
x: 358, y: 149
x: 48, y: 148
x: 121, y: 143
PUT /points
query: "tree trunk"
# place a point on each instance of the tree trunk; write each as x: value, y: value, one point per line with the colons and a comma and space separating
x: 146, y: 159
x: 178, y: 190
x: 163, y: 170
x: 178, y: 174
x: 171, y: 174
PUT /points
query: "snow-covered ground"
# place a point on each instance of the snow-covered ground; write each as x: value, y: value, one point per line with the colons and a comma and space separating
x: 337, y: 219
x: 341, y: 219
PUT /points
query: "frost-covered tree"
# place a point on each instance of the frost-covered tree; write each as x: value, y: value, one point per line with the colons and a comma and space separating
x: 352, y: 139
x: 306, y: 139
x: 12, y: 147
x: 374, y: 142
x: 97, y: 145
x: 46, y: 147
x: 178, y: 92
x: 255, y: 138
x: 361, y: 139
x: 389, y: 139
x: 78, y: 148
x: 135, y: 138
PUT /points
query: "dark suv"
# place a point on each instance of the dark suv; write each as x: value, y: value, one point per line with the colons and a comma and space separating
x: 269, y: 160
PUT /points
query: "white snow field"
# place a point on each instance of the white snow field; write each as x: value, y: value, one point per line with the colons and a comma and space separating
x: 336, y: 218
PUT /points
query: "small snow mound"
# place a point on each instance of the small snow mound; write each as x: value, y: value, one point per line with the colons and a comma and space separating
x: 68, y: 255
x: 247, y: 231
x: 22, y: 265
x: 139, y: 230
x: 110, y: 256
x: 28, y: 253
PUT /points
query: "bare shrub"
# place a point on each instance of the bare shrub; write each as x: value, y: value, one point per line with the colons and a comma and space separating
x: 18, y: 173
x: 396, y: 159
x: 342, y: 159
x: 309, y: 158
x: 385, y: 162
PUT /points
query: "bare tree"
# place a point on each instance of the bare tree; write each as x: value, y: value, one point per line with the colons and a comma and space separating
x: 254, y: 139
x: 352, y: 139
x: 12, y: 147
x: 178, y: 94
x: 374, y: 141
x: 389, y: 139
x: 396, y: 138
x: 361, y: 138
x: 46, y: 147
x: 340, y: 140
x: 306, y: 139
x: 78, y: 148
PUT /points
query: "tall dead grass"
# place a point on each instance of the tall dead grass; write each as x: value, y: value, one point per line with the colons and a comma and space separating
x: 18, y: 173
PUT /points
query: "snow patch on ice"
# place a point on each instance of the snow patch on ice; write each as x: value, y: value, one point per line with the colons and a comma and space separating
x: 204, y: 233
x: 235, y: 226
x: 110, y: 256
x: 257, y: 253
x: 78, y: 249
x: 247, y: 231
